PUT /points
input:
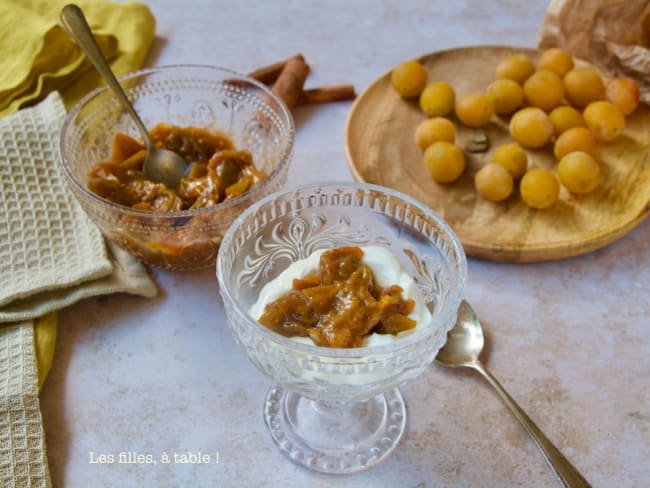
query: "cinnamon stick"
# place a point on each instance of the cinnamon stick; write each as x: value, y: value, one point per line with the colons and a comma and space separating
x: 268, y: 74
x: 325, y: 94
x: 289, y: 83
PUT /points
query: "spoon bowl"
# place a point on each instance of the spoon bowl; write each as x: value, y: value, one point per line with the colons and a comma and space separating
x: 465, y: 341
x: 462, y: 349
x: 160, y: 165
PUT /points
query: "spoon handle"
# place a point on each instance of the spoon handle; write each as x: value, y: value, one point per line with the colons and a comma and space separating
x: 564, y: 470
x: 76, y: 25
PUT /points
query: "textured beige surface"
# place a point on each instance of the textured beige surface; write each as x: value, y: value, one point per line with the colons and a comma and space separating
x: 568, y: 339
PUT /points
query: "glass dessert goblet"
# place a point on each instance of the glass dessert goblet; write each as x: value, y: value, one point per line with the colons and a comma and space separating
x: 338, y: 410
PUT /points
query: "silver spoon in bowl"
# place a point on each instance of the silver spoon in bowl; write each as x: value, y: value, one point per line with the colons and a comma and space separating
x: 463, y: 348
x: 160, y: 165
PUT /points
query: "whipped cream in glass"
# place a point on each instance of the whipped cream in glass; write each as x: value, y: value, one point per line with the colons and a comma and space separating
x: 387, y: 272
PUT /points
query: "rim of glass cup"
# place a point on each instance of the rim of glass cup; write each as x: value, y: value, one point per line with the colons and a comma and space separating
x: 269, y: 180
x: 337, y: 352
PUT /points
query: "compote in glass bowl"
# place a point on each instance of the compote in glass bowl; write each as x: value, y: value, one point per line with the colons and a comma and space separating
x: 205, y: 97
x: 338, y: 410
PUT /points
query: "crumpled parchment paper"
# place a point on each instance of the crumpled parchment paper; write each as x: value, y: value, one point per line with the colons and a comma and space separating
x: 613, y: 35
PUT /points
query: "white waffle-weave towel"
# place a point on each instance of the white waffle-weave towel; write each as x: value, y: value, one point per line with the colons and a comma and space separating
x: 51, y: 255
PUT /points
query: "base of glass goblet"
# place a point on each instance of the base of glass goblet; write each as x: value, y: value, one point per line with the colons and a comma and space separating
x: 335, y: 437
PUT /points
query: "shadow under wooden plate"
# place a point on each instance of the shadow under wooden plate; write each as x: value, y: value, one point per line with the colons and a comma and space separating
x: 380, y: 149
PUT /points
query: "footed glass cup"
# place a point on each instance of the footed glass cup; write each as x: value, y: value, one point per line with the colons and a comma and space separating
x: 338, y: 410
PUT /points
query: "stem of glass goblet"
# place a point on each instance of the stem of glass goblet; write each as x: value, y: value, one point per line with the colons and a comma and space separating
x: 333, y: 407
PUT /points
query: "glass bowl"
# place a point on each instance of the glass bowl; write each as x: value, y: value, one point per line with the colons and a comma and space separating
x: 338, y: 410
x: 200, y: 96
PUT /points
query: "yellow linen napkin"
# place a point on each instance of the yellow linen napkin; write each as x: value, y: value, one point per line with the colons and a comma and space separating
x: 37, y: 56
x: 44, y: 343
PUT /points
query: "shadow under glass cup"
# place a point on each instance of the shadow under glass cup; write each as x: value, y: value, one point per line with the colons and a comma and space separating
x: 338, y: 410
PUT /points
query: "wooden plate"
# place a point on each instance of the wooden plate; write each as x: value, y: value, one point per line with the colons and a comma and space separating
x: 380, y: 149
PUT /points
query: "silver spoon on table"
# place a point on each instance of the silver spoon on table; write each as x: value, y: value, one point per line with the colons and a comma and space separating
x: 160, y: 165
x: 463, y: 348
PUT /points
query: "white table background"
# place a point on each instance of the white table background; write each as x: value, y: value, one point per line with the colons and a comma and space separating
x: 569, y: 339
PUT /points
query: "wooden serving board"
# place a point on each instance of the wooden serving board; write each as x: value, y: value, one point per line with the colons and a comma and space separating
x: 380, y: 147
